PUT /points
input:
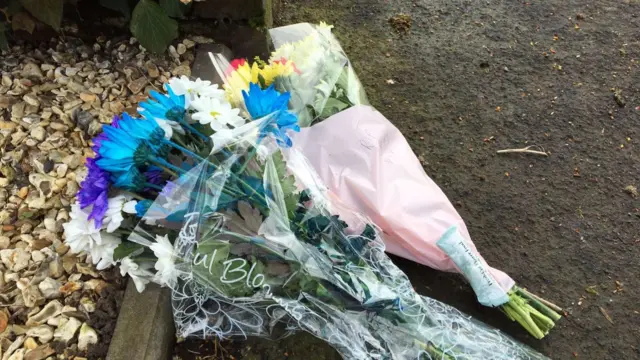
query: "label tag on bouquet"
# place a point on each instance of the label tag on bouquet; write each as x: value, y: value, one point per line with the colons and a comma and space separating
x: 473, y: 267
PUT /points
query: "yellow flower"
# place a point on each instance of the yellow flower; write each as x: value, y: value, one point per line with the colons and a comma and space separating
x: 244, y: 74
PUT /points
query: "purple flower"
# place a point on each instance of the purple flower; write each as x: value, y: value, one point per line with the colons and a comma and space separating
x: 167, y: 190
x: 154, y: 176
x: 94, y: 190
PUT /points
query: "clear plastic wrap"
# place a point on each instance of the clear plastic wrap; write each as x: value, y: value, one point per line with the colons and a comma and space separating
x: 264, y: 249
x: 364, y: 159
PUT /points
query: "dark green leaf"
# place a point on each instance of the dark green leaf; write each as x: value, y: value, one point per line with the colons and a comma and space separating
x: 152, y: 27
x: 121, y: 6
x: 47, y: 11
x: 4, y: 44
x: 23, y: 21
x: 288, y: 184
x: 263, y: 83
x: 14, y: 7
x: 127, y: 248
x: 175, y: 8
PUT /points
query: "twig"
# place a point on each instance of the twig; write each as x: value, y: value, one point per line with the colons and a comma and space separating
x: 523, y: 150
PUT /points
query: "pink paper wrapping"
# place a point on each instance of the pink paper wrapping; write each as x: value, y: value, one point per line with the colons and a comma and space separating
x: 365, y: 161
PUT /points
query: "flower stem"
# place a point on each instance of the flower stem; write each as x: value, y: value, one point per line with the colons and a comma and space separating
x: 250, y: 157
x: 132, y: 194
x: 193, y: 130
x: 167, y: 166
x: 189, y: 153
x: 153, y: 186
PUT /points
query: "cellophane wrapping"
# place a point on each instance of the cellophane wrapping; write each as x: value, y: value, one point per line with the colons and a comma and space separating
x: 262, y: 248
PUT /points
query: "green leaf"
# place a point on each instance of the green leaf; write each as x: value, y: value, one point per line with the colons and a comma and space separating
x: 47, y: 11
x: 22, y: 21
x: 4, y: 44
x: 288, y: 184
x: 121, y: 6
x: 152, y: 27
x: 127, y: 248
x: 175, y: 8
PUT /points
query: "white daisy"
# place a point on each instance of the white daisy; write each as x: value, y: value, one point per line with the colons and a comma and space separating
x: 139, y: 273
x: 80, y: 232
x: 218, y: 114
x: 113, y: 216
x: 102, y: 254
x: 184, y: 86
x: 166, y: 274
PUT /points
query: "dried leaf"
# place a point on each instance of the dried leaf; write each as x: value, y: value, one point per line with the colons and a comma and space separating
x: 4, y: 321
x: 591, y: 290
x: 606, y: 315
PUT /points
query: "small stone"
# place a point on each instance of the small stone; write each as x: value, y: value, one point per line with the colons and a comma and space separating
x: 31, y: 70
x: 631, y: 190
x: 15, y: 259
x: 71, y: 71
x: 96, y: 285
x: 4, y: 242
x: 17, y: 355
x: 94, y: 128
x: 181, y: 70
x: 87, y: 305
x: 44, y: 333
x: 88, y: 97
x: 62, y: 170
x: 31, y: 100
x: 67, y: 331
x: 30, y: 344
x: 50, y: 310
x: 70, y: 287
x: 152, y: 70
x: 182, y: 48
x: 82, y: 119
x: 4, y: 321
x: 71, y: 104
x: 188, y: 43
x: 202, y: 40
x: 42, y: 352
x: 23, y: 192
x: 172, y: 51
x: 38, y: 133
x: 32, y: 296
x: 50, y: 288
x: 137, y: 85
x: 86, y: 337
x: 85, y: 269
x: 56, y: 268
x: 37, y: 256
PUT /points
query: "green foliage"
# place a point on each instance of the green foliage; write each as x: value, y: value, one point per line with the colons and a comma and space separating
x: 47, y: 11
x: 150, y: 21
x: 127, y: 248
x: 4, y: 44
x: 121, y: 6
x: 288, y: 184
x: 175, y: 8
x: 151, y: 25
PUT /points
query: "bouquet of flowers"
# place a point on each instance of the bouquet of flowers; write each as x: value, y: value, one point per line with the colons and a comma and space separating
x: 362, y: 157
x: 264, y: 249
x: 197, y: 194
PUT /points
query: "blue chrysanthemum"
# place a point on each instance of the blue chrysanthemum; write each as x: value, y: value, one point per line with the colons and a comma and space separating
x: 270, y: 102
x: 142, y: 207
x: 147, y: 130
x: 94, y: 191
x: 132, y: 180
x: 170, y: 107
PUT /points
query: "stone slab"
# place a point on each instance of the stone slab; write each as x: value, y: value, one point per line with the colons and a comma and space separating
x: 145, y: 329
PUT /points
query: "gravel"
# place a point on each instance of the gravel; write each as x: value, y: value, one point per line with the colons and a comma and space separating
x: 53, y: 99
